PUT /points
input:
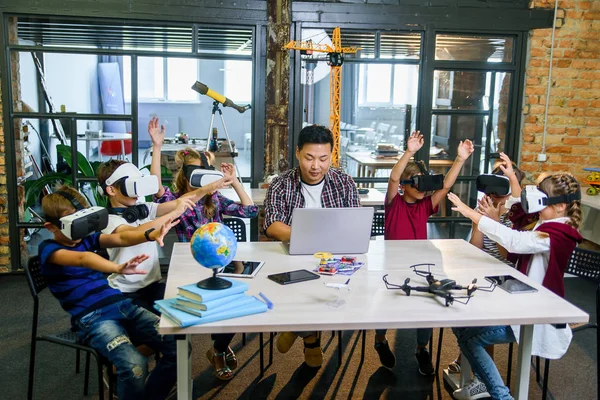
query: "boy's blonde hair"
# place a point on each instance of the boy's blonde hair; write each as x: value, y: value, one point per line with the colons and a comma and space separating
x: 56, y: 206
x: 186, y: 157
x: 412, y: 168
x: 562, y: 183
x: 105, y: 170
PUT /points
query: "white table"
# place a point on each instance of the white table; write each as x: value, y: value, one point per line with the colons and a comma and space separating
x: 369, y: 305
x: 591, y: 216
x: 372, y: 199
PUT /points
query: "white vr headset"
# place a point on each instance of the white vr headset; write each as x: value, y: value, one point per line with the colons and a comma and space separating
x: 199, y: 177
x: 83, y: 222
x: 132, y: 182
x: 534, y: 200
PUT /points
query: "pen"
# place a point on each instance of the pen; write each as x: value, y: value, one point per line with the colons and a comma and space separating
x: 347, y: 282
x: 269, y: 303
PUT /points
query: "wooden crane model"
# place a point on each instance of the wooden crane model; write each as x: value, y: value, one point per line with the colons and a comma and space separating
x: 335, y: 59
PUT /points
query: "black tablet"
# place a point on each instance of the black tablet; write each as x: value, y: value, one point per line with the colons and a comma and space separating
x: 511, y: 284
x: 301, y: 275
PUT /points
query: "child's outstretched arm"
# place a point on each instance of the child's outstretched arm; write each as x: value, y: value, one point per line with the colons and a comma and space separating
x: 87, y: 259
x: 158, y: 136
x: 131, y: 238
x: 517, y: 242
x: 174, y: 207
x: 465, y: 149
x: 229, y: 171
x: 509, y: 172
x: 413, y: 144
x: 197, y: 194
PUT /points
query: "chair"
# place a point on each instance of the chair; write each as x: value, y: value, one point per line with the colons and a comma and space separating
x: 115, y: 148
x: 66, y: 338
x: 247, y: 141
x: 238, y: 226
x: 378, y: 226
x: 584, y: 264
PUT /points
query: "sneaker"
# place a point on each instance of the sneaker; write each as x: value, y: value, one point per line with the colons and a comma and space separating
x: 425, y: 364
x: 473, y: 391
x: 387, y: 358
x: 285, y: 341
x: 313, y: 355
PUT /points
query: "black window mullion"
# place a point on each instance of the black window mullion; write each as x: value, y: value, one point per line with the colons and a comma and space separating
x: 490, y: 124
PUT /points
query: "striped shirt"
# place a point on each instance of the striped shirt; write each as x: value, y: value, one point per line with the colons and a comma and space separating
x: 285, y: 193
x: 79, y: 290
x: 491, y: 247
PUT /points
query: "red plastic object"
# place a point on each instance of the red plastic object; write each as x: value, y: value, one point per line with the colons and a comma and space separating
x: 113, y: 147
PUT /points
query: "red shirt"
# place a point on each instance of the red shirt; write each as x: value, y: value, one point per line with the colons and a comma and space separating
x: 407, y: 221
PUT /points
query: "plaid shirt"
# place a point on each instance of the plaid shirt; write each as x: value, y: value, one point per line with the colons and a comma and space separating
x: 285, y: 193
x: 193, y: 219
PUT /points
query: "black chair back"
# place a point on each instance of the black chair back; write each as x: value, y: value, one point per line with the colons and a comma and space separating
x: 238, y: 226
x: 378, y: 226
x: 585, y: 264
x: 34, y: 276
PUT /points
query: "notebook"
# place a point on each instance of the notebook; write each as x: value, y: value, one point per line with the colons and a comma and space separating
x: 333, y: 230
x: 184, y: 319
x: 206, y: 306
x: 193, y: 292
x: 236, y: 301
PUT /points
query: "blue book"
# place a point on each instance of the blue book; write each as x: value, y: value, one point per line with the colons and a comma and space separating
x: 184, y: 319
x: 209, y: 305
x: 236, y: 301
x: 193, y: 292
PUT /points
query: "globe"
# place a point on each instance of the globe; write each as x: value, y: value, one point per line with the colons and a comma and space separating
x: 213, y: 245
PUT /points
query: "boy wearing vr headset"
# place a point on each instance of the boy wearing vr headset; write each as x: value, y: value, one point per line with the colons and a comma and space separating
x: 542, y: 254
x: 103, y: 317
x: 406, y: 218
x: 124, y: 184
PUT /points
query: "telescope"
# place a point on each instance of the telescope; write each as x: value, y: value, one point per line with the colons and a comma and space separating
x: 203, y: 89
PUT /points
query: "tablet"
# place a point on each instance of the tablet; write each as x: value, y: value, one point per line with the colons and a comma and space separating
x: 241, y: 269
x: 511, y: 284
x: 301, y: 275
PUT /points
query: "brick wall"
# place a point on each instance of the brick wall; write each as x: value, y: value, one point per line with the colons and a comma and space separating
x: 573, y: 130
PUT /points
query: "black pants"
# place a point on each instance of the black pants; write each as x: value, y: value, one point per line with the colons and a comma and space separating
x: 221, y: 341
x: 146, y: 296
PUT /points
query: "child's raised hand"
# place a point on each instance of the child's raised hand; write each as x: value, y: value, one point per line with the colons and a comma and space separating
x: 228, y: 170
x: 414, y: 142
x: 183, y: 204
x: 487, y: 208
x: 507, y: 168
x: 156, y: 134
x: 130, y: 267
x: 158, y: 235
x: 465, y: 149
x: 458, y: 204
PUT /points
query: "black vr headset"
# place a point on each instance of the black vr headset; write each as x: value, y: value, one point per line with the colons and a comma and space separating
x: 131, y: 214
x: 199, y: 176
x: 83, y: 222
x: 426, y: 182
x: 492, y: 184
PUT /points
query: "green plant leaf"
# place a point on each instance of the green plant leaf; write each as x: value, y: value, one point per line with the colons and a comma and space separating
x: 33, y: 189
x: 83, y: 165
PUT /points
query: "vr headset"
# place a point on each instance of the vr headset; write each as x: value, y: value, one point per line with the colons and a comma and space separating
x: 426, y: 182
x: 131, y: 214
x: 534, y: 200
x: 131, y: 182
x: 83, y: 222
x: 199, y: 176
x: 491, y: 184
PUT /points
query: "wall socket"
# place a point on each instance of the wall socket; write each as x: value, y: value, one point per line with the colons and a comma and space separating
x: 541, y: 157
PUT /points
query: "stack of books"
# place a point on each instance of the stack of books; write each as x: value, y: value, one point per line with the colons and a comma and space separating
x: 195, y: 306
x: 386, y: 150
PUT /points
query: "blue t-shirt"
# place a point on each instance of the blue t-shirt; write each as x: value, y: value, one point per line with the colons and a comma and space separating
x: 79, y: 290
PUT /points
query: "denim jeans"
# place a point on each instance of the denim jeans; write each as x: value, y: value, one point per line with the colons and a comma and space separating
x: 423, y: 335
x: 472, y: 342
x: 146, y: 296
x: 115, y: 331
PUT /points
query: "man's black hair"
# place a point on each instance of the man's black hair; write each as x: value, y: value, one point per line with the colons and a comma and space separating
x: 315, y: 134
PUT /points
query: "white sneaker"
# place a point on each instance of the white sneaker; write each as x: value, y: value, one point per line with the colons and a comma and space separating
x: 473, y: 391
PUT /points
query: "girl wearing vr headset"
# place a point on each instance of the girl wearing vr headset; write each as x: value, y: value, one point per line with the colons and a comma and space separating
x: 543, y: 255
x: 406, y: 218
x: 209, y: 208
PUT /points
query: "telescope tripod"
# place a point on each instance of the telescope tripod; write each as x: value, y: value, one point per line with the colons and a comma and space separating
x: 216, y: 109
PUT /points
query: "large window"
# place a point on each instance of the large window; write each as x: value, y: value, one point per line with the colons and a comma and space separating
x: 238, y: 80
x: 387, y: 84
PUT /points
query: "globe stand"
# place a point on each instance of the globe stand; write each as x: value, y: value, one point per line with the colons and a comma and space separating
x: 214, y: 282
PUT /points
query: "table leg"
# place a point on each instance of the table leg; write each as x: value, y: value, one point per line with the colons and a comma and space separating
x: 523, y: 360
x: 184, y: 368
x: 87, y: 148
x: 123, y: 148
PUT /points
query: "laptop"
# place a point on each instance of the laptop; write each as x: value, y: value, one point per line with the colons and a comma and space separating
x: 333, y: 230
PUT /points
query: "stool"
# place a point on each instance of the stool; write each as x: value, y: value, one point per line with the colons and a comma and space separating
x: 247, y: 140
x: 114, y: 148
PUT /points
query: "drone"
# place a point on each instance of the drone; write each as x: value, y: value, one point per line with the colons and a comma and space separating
x: 441, y: 288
